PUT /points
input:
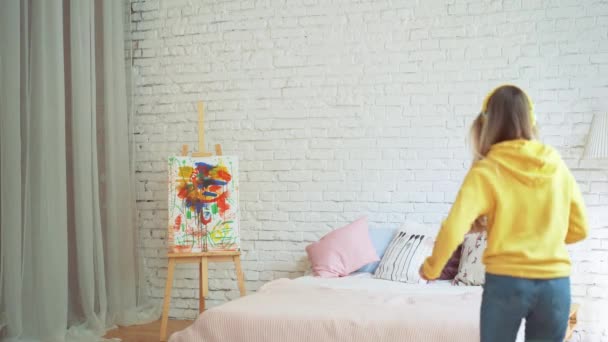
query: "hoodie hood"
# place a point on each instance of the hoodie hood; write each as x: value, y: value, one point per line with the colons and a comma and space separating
x: 530, y: 162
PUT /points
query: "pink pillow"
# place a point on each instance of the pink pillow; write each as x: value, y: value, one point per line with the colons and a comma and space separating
x: 342, y: 251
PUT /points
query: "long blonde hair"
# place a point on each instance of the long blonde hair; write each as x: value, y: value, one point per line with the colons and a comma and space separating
x: 507, y: 114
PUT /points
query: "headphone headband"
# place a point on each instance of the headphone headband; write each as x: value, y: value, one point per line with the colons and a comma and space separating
x: 484, y: 108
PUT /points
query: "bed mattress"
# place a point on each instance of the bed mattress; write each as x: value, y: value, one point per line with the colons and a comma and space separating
x: 351, y: 309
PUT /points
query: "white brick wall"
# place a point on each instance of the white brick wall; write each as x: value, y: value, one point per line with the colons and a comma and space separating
x: 350, y: 107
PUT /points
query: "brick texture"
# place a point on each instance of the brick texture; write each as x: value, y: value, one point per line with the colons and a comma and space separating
x: 342, y: 108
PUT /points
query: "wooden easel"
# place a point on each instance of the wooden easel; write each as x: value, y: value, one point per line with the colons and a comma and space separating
x: 202, y: 258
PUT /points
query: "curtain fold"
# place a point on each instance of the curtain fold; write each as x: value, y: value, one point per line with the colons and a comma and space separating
x: 121, y: 265
x: 10, y: 167
x: 88, y: 277
x: 45, y: 204
x: 68, y: 261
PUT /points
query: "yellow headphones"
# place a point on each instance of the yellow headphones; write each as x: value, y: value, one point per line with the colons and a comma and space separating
x: 484, y: 108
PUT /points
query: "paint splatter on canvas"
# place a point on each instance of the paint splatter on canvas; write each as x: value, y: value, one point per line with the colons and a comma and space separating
x: 203, y: 204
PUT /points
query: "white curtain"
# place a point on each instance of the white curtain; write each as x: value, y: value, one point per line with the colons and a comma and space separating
x: 68, y: 267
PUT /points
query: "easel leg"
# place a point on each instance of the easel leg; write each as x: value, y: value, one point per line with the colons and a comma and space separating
x: 167, y: 300
x: 203, y: 284
x: 239, y: 275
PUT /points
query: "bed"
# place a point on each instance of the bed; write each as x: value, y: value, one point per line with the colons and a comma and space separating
x: 356, y: 308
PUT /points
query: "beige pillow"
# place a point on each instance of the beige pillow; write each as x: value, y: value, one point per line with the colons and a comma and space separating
x: 471, y: 270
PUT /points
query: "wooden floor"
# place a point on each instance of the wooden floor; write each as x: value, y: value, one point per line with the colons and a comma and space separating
x: 147, y: 332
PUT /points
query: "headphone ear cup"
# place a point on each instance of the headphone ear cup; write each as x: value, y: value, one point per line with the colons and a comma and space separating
x: 484, y: 106
x: 532, y: 114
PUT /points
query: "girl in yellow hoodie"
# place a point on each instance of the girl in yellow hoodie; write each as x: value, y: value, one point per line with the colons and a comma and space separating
x: 533, y: 208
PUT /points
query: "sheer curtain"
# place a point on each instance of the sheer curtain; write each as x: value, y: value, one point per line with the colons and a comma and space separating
x: 68, y: 267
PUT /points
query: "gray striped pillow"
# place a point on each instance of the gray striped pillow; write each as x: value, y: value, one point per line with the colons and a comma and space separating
x: 403, y: 257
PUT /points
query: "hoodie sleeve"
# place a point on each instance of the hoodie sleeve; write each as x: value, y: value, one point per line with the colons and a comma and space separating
x: 474, y: 199
x: 578, y: 227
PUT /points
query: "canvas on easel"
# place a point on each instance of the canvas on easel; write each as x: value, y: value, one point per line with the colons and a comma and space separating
x: 203, y: 204
x: 203, y: 216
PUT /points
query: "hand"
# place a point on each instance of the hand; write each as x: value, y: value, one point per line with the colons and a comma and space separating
x: 421, y: 272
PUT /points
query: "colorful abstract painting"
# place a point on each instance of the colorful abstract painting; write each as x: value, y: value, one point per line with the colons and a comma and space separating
x: 203, y: 204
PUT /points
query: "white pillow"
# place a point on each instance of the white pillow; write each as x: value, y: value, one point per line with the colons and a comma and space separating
x: 403, y: 257
x: 471, y: 270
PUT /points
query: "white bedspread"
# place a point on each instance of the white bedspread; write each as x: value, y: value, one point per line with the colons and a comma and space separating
x: 350, y: 309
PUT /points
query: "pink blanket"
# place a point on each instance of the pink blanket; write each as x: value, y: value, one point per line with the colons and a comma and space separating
x: 288, y: 310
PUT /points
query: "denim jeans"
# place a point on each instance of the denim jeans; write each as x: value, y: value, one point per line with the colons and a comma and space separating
x: 545, y: 304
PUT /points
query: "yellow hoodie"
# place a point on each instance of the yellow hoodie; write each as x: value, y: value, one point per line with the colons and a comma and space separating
x: 534, y: 208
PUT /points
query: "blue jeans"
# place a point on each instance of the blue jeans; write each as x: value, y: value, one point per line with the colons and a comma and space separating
x: 545, y: 304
